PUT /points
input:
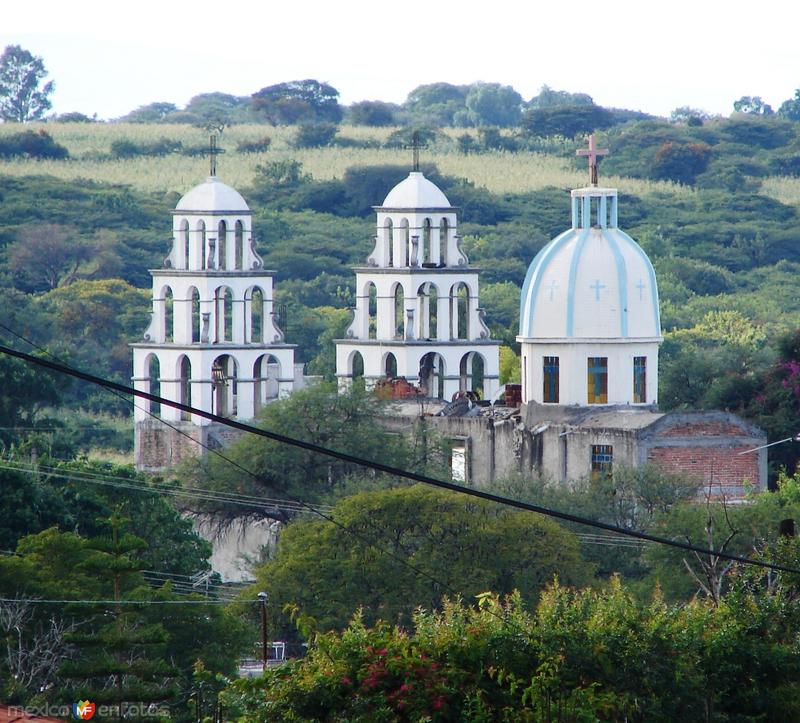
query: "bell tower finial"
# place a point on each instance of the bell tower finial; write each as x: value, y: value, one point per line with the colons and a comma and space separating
x: 214, y: 150
x: 593, y: 153
x: 415, y: 146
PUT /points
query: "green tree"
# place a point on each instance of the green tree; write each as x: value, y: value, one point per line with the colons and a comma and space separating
x: 120, y: 654
x: 47, y: 256
x: 790, y: 109
x: 151, y: 113
x: 681, y: 163
x: 752, y: 104
x: 493, y: 104
x: 330, y: 570
x: 565, y: 120
x: 26, y: 392
x: 315, y: 135
x: 219, y: 108
x: 688, y: 116
x: 344, y: 422
x: 548, y: 98
x: 298, y: 101
x: 436, y: 103
x: 372, y: 113
x: 22, y: 97
x: 579, y: 656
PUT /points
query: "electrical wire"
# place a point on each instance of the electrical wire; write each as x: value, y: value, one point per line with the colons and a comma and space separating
x: 390, y: 469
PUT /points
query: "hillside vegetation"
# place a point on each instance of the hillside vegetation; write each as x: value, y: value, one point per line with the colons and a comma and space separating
x: 715, y: 205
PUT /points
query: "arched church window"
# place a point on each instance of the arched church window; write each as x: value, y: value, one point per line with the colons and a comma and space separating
x: 459, y: 314
x: 224, y: 381
x: 372, y: 311
x: 169, y: 314
x: 153, y: 384
x: 389, y: 241
x: 185, y: 385
x: 399, y: 322
x: 427, y: 311
x: 238, y: 236
x: 185, y: 243
x: 471, y: 373
x: 201, y: 240
x: 257, y: 316
x: 356, y: 366
x: 266, y: 372
x: 405, y: 236
x: 195, y: 314
x: 443, y: 233
x: 222, y: 245
x: 431, y: 375
x: 224, y: 312
x: 390, y: 366
x: 427, y: 251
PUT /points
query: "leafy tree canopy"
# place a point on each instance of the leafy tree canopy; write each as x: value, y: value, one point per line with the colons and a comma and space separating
x: 586, y: 655
x: 150, y: 113
x: 565, y: 120
x: 372, y: 113
x: 298, y: 101
x: 549, y: 98
x: 463, y: 546
x: 22, y: 97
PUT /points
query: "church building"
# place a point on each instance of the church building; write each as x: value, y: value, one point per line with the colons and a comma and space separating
x: 418, y: 315
x: 213, y: 341
x: 589, y: 336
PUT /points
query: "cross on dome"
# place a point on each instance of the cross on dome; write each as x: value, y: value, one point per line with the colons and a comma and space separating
x: 415, y: 146
x: 213, y: 151
x: 593, y: 153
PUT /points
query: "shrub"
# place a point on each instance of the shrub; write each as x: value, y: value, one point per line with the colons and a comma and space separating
x: 31, y: 144
x: 257, y: 146
x: 315, y: 135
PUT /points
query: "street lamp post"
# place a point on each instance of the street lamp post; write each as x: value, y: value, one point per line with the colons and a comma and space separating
x: 263, y: 597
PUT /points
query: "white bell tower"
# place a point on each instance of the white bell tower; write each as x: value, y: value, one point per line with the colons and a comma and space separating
x: 212, y: 342
x: 417, y: 311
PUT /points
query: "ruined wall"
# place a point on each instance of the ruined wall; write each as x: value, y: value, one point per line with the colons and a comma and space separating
x: 158, y: 446
x: 709, y: 447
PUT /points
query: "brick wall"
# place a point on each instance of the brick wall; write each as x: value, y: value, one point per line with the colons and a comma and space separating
x: 719, y: 465
x: 704, y: 429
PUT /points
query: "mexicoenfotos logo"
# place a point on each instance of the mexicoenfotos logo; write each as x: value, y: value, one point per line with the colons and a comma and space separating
x: 83, y: 709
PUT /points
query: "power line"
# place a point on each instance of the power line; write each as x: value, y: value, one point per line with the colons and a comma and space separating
x: 39, y: 601
x: 389, y: 469
x: 262, y: 503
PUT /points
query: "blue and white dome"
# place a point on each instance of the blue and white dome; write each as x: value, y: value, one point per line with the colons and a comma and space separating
x: 591, y: 282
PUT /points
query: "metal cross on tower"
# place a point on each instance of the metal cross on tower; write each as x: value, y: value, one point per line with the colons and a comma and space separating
x: 415, y: 146
x: 593, y: 153
x: 213, y: 151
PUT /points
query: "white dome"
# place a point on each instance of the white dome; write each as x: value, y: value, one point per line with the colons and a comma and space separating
x: 591, y: 282
x: 213, y: 196
x: 416, y: 191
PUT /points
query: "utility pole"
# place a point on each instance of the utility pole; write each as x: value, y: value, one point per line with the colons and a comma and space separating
x: 263, y: 597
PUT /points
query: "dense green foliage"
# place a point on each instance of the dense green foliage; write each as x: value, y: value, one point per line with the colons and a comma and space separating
x: 580, y: 656
x: 22, y: 95
x: 427, y: 542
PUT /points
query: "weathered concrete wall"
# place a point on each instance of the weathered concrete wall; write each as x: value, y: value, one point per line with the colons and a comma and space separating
x: 158, y: 446
x: 705, y: 445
